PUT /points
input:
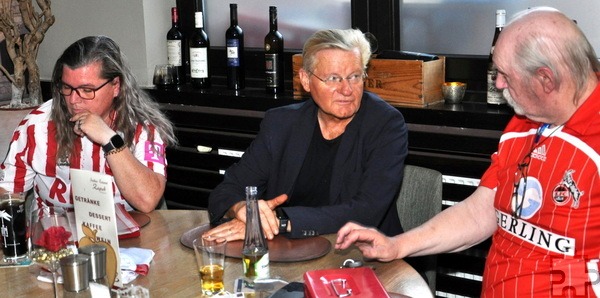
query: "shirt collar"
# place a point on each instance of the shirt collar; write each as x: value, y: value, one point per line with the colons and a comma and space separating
x: 587, y: 114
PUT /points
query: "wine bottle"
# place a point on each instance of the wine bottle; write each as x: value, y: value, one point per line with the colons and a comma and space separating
x: 175, y: 42
x: 255, y: 252
x: 494, y: 96
x: 273, y: 55
x: 234, y: 40
x: 199, y: 46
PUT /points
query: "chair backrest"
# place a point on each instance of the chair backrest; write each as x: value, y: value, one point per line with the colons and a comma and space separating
x: 420, y: 197
x: 419, y: 200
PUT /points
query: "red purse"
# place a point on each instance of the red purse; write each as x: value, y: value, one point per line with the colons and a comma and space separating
x: 358, y: 282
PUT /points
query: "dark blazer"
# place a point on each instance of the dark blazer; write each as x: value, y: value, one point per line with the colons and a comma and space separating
x: 366, y: 176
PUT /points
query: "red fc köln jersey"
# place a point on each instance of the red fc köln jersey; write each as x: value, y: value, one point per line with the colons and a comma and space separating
x: 547, y: 204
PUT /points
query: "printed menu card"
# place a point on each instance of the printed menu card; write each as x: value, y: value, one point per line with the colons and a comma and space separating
x: 95, y: 217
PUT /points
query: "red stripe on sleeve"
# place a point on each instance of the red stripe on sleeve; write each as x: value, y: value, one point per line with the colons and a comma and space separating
x: 52, y: 150
x: 20, y: 166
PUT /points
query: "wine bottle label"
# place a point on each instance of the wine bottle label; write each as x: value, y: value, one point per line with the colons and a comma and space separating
x: 199, y: 63
x: 174, y: 52
x: 262, y: 267
x: 494, y: 96
x: 233, y: 58
x: 256, y: 266
x: 271, y: 74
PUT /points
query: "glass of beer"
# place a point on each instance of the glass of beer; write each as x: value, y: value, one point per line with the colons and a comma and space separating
x: 210, y: 256
x: 13, y: 227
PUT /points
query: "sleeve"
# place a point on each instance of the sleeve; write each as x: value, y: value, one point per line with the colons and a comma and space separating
x: 150, y: 153
x: 16, y: 172
x: 369, y: 191
x: 490, y: 177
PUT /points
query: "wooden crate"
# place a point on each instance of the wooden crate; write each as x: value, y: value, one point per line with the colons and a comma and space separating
x: 399, y: 82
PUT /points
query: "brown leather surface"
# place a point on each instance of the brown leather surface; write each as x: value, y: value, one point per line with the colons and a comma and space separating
x: 281, y: 248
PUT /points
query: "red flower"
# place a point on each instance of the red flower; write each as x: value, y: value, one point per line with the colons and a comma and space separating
x: 54, y: 238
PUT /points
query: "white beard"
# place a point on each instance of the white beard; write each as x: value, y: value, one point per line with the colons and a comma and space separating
x: 511, y: 102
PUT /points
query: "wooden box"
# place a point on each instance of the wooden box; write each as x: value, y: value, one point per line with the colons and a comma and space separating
x: 399, y: 82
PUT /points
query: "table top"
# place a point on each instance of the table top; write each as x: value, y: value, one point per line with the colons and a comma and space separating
x: 173, y: 271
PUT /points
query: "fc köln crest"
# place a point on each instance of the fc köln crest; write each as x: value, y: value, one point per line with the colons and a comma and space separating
x: 567, y: 191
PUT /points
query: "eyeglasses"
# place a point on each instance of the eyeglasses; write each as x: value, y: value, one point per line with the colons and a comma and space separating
x: 335, y: 80
x: 83, y: 92
x: 520, y: 184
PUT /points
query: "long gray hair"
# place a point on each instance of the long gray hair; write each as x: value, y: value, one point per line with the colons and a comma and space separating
x: 132, y: 105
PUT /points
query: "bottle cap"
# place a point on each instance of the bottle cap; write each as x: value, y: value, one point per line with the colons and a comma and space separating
x: 199, y: 21
x: 500, y: 17
x: 251, y: 190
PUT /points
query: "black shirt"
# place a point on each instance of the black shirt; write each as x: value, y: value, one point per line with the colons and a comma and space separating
x: 312, y: 185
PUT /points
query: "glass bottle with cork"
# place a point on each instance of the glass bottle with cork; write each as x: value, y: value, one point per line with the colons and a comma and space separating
x: 494, y: 96
x: 234, y: 40
x: 175, y: 47
x: 199, y: 46
x: 273, y: 55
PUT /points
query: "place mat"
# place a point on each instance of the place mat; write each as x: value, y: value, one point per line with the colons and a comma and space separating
x: 142, y: 219
x: 281, y: 248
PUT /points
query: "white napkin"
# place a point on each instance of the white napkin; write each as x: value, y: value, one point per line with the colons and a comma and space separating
x: 134, y: 261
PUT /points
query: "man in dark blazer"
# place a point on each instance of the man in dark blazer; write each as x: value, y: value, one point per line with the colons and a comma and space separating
x: 334, y: 158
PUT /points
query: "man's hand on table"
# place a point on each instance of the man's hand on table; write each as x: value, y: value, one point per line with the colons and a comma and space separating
x: 372, y: 243
x: 235, y: 229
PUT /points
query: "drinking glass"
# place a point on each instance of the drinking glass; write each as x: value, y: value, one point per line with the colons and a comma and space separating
x: 50, y: 239
x: 165, y: 76
x: 210, y: 256
x: 13, y: 224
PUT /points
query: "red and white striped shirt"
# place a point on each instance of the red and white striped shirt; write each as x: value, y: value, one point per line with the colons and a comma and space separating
x: 552, y: 250
x: 31, y: 159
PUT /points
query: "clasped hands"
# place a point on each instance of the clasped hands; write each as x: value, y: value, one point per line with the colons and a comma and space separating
x: 235, y: 229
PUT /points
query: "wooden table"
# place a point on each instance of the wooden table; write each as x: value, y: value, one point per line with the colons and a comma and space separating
x: 173, y: 272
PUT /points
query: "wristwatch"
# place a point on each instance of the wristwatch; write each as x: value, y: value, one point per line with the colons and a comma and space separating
x: 116, y: 142
x: 284, y: 220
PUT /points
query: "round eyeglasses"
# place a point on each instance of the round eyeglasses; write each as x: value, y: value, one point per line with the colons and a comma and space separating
x: 335, y: 80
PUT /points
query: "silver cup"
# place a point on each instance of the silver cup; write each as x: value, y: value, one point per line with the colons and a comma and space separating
x: 97, y: 263
x: 75, y: 273
x: 454, y: 92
